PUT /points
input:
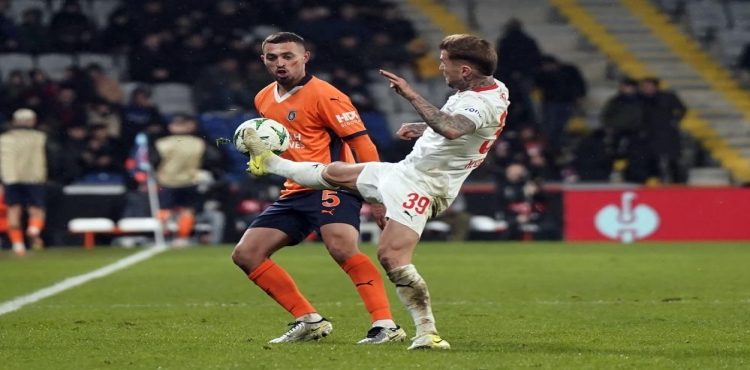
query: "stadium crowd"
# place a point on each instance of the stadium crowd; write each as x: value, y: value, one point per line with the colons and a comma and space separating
x: 92, y: 120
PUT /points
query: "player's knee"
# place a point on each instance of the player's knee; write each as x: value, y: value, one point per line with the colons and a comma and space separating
x: 390, y: 256
x: 247, y: 258
x: 336, y: 172
x: 341, y: 244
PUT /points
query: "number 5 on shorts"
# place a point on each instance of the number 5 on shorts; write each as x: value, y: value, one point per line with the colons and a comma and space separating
x: 419, y: 203
x: 330, y: 199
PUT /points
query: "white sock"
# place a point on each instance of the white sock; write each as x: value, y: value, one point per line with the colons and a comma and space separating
x: 413, y: 293
x: 309, y: 317
x: 307, y: 174
x: 388, y: 324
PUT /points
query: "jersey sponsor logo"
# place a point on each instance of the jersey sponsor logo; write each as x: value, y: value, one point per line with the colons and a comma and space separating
x: 473, y: 111
x: 347, y: 118
x: 291, y: 115
x: 295, y: 141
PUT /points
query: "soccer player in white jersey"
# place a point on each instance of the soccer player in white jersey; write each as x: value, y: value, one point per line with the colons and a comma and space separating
x: 452, y: 142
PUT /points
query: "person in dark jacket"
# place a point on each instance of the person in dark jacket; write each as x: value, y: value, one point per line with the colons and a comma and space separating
x: 662, y: 114
x: 518, y: 59
x: 563, y: 90
x: 622, y: 116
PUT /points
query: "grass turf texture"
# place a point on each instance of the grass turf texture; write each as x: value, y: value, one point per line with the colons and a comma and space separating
x: 548, y: 306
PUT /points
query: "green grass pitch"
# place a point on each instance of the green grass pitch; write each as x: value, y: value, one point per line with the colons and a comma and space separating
x: 501, y: 306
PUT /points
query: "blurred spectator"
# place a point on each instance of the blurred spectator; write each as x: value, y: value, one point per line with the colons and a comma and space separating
x: 12, y: 91
x: 140, y: 115
x: 623, y: 116
x: 101, y: 155
x: 119, y: 35
x: 349, y: 22
x: 193, y: 55
x: 150, y: 62
x: 33, y: 36
x: 8, y: 29
x: 68, y: 110
x: 539, y: 159
x: 521, y: 203
x: 592, y: 158
x: 228, y: 22
x: 151, y: 16
x: 352, y: 85
x: 349, y: 53
x: 563, y: 90
x: 663, y: 111
x: 70, y: 30
x: 518, y: 54
x: 518, y: 59
x: 313, y: 24
x: 221, y: 86
x: 106, y: 87
x: 80, y: 81
x: 398, y: 28
x: 102, y: 113
x: 385, y: 54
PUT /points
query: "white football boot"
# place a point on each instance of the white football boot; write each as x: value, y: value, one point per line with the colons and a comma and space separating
x: 429, y: 341
x: 305, y: 331
x: 379, y: 334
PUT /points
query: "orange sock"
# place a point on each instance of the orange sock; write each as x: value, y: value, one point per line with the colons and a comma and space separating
x: 185, y: 226
x: 15, y: 236
x: 369, y: 283
x: 279, y: 285
x: 36, y: 225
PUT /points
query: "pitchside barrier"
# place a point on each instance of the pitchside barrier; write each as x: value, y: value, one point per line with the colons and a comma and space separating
x: 614, y: 213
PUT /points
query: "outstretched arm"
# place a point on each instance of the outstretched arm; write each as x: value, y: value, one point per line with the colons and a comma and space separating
x: 448, y: 125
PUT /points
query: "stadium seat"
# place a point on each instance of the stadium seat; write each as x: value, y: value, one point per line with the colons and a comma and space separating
x: 172, y: 98
x: 54, y: 65
x: 11, y: 62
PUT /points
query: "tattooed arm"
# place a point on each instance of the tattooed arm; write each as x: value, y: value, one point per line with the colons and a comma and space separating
x: 450, y: 126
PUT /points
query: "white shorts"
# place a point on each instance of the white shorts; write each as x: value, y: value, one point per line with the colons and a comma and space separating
x: 395, y: 186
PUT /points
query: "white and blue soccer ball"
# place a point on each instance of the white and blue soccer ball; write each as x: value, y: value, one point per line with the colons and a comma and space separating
x: 273, y: 134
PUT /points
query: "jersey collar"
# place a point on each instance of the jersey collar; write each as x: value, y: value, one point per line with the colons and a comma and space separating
x: 281, y: 98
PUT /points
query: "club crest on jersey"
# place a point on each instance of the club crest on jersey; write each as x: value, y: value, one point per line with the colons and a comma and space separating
x: 291, y: 115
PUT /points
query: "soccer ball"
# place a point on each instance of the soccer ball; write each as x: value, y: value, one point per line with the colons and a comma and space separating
x: 273, y: 134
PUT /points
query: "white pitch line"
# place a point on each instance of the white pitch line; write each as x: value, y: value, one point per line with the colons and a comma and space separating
x: 72, y: 282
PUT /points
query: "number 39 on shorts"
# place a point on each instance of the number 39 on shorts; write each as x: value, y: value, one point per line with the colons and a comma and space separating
x: 417, y: 202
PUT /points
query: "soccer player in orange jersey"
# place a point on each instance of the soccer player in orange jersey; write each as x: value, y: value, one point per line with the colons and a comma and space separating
x: 324, y: 126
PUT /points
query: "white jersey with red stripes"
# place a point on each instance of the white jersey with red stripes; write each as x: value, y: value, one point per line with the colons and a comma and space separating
x: 442, y: 165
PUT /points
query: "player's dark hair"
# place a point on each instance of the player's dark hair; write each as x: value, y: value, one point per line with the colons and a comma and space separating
x: 283, y: 37
x: 472, y: 49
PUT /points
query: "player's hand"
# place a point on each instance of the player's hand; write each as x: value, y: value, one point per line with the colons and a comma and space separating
x: 409, y: 131
x: 378, y: 213
x: 400, y: 85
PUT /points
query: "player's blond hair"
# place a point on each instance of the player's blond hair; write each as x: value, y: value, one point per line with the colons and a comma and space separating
x: 472, y: 49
